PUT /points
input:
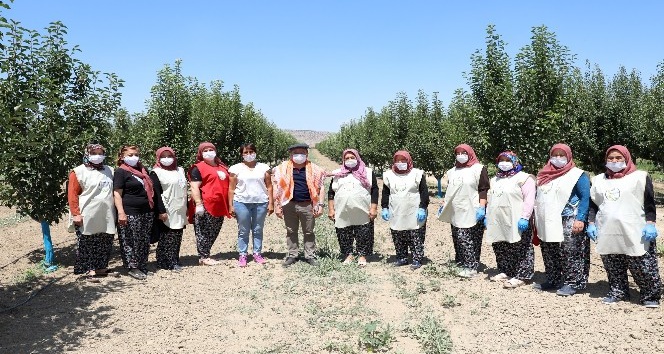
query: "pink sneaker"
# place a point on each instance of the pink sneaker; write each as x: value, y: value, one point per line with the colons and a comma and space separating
x: 258, y: 258
x: 242, y: 262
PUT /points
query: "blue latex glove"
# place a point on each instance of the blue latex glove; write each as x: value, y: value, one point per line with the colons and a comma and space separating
x: 649, y: 232
x: 421, y: 214
x: 591, y: 232
x: 480, y: 213
x: 385, y: 214
x: 522, y: 225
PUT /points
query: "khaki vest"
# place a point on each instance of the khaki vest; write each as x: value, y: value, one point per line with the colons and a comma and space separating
x: 462, y: 197
x: 504, y: 208
x: 404, y: 198
x: 621, y: 218
x: 351, y: 201
x: 96, y: 200
x: 174, y: 195
x: 550, y: 201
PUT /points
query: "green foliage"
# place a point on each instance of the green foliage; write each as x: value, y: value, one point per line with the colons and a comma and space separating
x: 433, y: 337
x: 375, y: 337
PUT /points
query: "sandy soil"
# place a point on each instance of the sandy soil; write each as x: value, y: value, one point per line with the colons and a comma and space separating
x: 269, y: 309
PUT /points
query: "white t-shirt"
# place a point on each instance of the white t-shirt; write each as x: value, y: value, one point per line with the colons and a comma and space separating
x: 250, y: 186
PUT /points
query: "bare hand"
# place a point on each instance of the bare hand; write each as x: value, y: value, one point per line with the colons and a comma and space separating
x: 318, y: 211
x: 577, y: 227
x: 232, y: 212
x: 163, y: 217
x: 373, y: 213
x: 330, y: 214
x: 270, y: 210
x: 77, y: 220
x: 122, y: 219
x: 279, y: 213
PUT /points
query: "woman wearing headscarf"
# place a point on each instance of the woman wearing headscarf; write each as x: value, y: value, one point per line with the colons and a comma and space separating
x: 464, y: 208
x: 209, y: 203
x: 561, y: 210
x: 170, y: 200
x: 352, y: 205
x: 134, y: 200
x: 510, y: 205
x: 90, y: 197
x: 404, y: 200
x: 250, y: 201
x: 622, y: 222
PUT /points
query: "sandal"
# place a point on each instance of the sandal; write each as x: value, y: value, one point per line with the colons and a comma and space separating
x: 89, y: 277
x: 362, y: 262
x: 348, y: 260
x: 208, y: 262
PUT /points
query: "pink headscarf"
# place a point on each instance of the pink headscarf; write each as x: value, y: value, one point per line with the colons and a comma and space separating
x: 203, y: 146
x: 157, y: 163
x: 472, y: 158
x: 631, y: 167
x: 405, y: 154
x: 550, y: 172
x: 358, y: 171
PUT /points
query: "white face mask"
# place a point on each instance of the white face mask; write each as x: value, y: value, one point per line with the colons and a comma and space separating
x: 350, y: 163
x: 209, y: 155
x: 616, y: 166
x: 299, y: 158
x: 558, y: 161
x: 249, y: 157
x: 505, y: 166
x: 462, y: 158
x: 131, y: 160
x: 96, y: 159
x: 401, y: 166
x: 166, y: 161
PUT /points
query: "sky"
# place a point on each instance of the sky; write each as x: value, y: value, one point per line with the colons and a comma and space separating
x: 316, y: 64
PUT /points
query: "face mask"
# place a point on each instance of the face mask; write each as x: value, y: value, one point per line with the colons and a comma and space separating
x: 96, y: 159
x: 401, y: 166
x: 462, y: 158
x: 299, y: 158
x: 166, y: 161
x: 249, y: 157
x: 131, y: 160
x: 558, y: 161
x: 350, y: 163
x: 616, y: 166
x: 209, y: 155
x: 505, y: 166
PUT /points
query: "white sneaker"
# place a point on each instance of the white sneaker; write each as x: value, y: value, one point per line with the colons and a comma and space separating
x: 513, y: 283
x: 467, y: 273
x: 499, y: 277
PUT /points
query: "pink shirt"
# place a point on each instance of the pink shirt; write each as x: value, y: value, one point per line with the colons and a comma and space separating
x: 528, y: 191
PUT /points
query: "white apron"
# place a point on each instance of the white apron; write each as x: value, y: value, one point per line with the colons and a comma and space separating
x: 174, y: 196
x: 550, y: 201
x: 462, y: 197
x: 504, y: 208
x: 621, y: 218
x: 96, y: 200
x: 351, y: 201
x: 404, y: 198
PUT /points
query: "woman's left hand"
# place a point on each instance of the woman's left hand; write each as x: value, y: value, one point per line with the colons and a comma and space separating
x: 163, y: 217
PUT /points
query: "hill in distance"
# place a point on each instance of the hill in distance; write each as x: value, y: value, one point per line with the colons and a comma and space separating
x: 311, y: 137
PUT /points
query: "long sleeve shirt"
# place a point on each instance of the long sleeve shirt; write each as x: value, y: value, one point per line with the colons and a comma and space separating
x: 423, y: 189
x: 373, y: 191
x: 528, y: 190
x: 73, y: 191
x: 159, y: 206
x: 648, y: 204
x: 579, y: 199
x: 484, y: 184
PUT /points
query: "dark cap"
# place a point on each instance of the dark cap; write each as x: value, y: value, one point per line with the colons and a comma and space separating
x: 298, y: 146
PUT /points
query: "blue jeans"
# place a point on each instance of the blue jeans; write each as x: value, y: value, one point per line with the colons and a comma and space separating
x: 250, y: 217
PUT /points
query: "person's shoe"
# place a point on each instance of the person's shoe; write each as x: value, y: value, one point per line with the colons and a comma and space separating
x: 177, y: 268
x: 652, y: 304
x: 258, y: 258
x: 137, y: 274
x: 566, y: 290
x: 610, y: 300
x: 467, y: 273
x: 513, y: 283
x: 499, y: 277
x: 400, y: 262
x: 312, y: 261
x: 361, y: 261
x: 207, y: 261
x: 546, y: 286
x: 289, y: 261
x: 348, y: 260
x: 415, y: 265
x: 242, y: 261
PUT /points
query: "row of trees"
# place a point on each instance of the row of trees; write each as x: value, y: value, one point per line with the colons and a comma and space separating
x: 525, y: 104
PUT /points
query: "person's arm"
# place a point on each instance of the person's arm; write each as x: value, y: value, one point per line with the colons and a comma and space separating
x: 232, y: 183
x: 483, y: 186
x: 276, y: 198
x: 160, y: 208
x: 73, y: 191
x: 118, y: 190
x: 582, y: 191
x: 592, y: 212
x: 424, y: 192
x: 318, y: 209
x: 528, y: 192
x: 195, y: 183
x: 649, y: 206
x: 270, y: 196
x: 330, y: 201
x: 373, y: 210
x: 385, y: 196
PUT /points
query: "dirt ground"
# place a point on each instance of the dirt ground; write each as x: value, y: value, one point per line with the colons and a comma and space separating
x: 302, y: 309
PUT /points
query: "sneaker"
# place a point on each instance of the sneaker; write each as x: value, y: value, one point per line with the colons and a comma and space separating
x: 258, y: 258
x: 207, y: 261
x: 312, y: 261
x: 610, y: 300
x: 242, y: 261
x: 177, y: 268
x: 653, y: 304
x: 400, y: 262
x: 499, y: 277
x: 513, y: 283
x: 137, y: 274
x: 546, y: 286
x: 467, y: 273
x: 289, y: 261
x: 566, y: 290
x: 415, y: 265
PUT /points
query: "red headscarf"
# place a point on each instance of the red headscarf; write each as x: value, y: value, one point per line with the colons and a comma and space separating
x: 157, y: 163
x: 631, y: 167
x: 143, y: 175
x: 358, y: 171
x: 472, y: 158
x: 550, y: 172
x: 203, y: 146
x: 405, y: 154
